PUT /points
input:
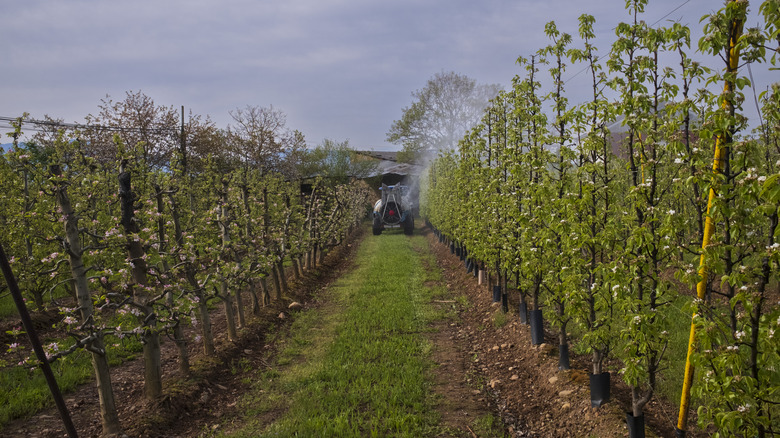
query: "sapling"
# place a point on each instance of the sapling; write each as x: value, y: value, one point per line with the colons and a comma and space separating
x: 596, y: 190
x: 72, y: 239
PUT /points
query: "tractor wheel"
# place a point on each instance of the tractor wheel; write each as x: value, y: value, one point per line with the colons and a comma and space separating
x: 409, y: 225
x: 377, y: 226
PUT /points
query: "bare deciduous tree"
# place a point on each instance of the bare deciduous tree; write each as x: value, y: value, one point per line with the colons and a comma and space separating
x: 260, y: 138
x: 136, y: 119
x: 447, y: 107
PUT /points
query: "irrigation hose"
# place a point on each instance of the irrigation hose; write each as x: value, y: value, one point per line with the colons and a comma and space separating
x: 709, y: 228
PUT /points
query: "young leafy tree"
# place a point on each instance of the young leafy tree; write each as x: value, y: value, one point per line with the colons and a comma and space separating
x: 191, y: 245
x: 443, y: 111
x: 561, y: 276
x: 337, y: 163
x: 143, y: 290
x: 519, y: 185
x: 166, y: 276
x: 225, y: 263
x: 503, y: 205
x: 24, y: 216
x: 645, y: 87
x: 738, y: 350
x: 89, y: 334
x: 535, y: 214
x: 596, y: 209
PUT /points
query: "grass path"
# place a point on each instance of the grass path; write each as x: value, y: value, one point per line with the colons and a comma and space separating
x: 360, y: 364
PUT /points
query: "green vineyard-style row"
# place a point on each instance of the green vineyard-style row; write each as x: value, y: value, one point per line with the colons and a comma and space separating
x: 139, y: 247
x: 596, y: 213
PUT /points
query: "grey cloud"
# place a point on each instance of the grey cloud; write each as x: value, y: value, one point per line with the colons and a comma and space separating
x: 339, y: 68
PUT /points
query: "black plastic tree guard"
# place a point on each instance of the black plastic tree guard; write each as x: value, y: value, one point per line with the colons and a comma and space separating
x: 563, y: 356
x: 522, y: 310
x: 537, y: 327
x: 496, y: 294
x: 636, y: 425
x: 599, y: 389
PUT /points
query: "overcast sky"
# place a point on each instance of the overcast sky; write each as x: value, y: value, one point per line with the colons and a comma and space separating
x: 339, y: 69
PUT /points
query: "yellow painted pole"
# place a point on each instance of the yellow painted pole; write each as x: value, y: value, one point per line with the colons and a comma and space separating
x: 720, y: 157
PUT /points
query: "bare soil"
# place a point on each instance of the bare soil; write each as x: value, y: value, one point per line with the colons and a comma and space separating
x: 482, y: 369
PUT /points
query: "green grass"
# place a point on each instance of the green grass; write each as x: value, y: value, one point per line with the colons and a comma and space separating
x: 489, y: 425
x: 359, y: 366
x: 677, y: 321
x: 8, y: 307
x: 500, y: 318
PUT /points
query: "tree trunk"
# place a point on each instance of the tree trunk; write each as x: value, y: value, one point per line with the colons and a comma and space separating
x: 563, y: 339
x: 205, y: 324
x: 596, y: 360
x: 266, y: 295
x: 230, y: 317
x: 178, y: 334
x: 255, y: 298
x: 142, y: 299
x: 277, y: 283
x: 224, y: 256
x: 321, y: 257
x: 240, y: 307
x: 282, y: 276
x: 189, y: 273
x: 108, y: 413
x: 181, y: 342
x: 296, y: 267
x: 639, y: 400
